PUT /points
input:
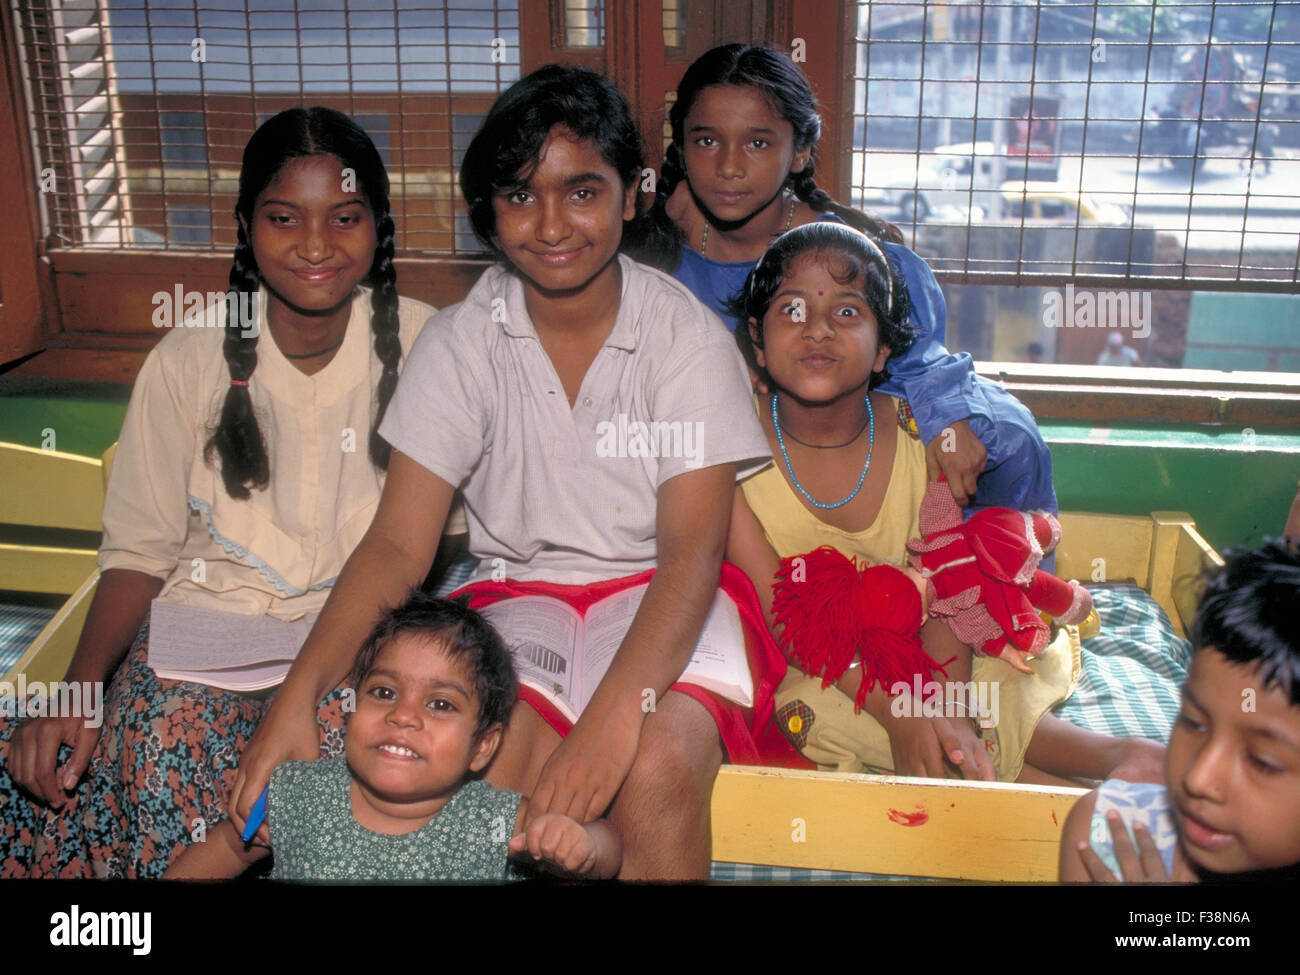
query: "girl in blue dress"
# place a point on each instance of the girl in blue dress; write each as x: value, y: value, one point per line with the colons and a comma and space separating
x: 740, y: 171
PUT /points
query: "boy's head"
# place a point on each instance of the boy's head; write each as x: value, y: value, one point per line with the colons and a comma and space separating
x: 852, y: 259
x: 435, y: 686
x: 1233, y: 764
x: 503, y: 155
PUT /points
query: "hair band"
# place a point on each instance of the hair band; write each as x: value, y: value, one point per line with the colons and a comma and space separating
x: 239, y: 382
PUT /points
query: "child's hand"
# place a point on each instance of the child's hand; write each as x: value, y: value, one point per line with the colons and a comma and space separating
x: 1291, y: 531
x: 921, y: 745
x: 1017, y: 658
x: 1140, y: 866
x: 587, y: 769
x: 285, y: 733
x: 964, y: 749
x: 959, y: 456
x: 558, y: 840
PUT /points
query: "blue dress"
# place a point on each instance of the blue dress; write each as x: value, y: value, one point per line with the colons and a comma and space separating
x: 940, y: 386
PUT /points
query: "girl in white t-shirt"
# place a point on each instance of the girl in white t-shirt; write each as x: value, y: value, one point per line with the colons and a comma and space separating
x: 247, y: 469
x: 507, y: 396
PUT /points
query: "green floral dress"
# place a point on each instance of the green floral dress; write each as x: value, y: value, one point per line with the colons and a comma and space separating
x: 315, y: 836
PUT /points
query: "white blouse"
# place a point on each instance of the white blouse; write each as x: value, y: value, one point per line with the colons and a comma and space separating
x: 167, y: 513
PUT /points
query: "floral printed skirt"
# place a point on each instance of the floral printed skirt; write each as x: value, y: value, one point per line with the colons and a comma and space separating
x: 159, y: 778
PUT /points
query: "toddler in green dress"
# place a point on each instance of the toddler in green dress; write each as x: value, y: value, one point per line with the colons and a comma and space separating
x: 434, y: 687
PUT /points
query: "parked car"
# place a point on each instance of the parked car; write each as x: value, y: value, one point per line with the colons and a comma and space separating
x: 963, y: 176
x: 1057, y: 202
x: 957, y: 175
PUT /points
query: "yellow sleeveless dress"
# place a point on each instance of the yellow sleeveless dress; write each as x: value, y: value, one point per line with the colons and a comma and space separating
x: 821, y: 722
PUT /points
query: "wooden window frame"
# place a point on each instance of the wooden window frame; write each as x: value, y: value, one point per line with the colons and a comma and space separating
x: 26, y: 289
x: 89, y: 310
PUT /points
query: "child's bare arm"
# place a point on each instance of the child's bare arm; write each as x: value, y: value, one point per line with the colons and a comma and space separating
x: 594, y: 850
x: 1063, y: 749
x: 222, y: 855
x: 960, y: 456
x: 1074, y: 832
x: 749, y: 550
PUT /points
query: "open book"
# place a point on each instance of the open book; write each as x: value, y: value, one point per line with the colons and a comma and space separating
x: 226, y: 650
x: 563, y: 655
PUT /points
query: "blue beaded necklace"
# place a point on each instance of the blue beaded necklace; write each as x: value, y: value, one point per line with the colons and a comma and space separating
x: 871, y: 444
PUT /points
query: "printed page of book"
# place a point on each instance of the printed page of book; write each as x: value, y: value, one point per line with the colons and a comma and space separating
x: 607, y: 622
x: 542, y: 634
x: 719, y: 663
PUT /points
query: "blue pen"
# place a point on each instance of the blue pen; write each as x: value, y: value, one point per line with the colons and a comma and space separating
x: 257, y: 816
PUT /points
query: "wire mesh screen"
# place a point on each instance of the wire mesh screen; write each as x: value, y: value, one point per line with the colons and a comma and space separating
x: 1019, y: 142
x: 142, y: 108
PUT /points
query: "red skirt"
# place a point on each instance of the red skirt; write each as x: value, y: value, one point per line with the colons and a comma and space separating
x: 748, y: 734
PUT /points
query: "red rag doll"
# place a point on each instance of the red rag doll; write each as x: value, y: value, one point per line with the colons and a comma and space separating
x: 982, y: 576
x: 828, y: 610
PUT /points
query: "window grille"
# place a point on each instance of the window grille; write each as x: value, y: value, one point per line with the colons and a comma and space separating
x: 1032, y: 142
x: 141, y: 108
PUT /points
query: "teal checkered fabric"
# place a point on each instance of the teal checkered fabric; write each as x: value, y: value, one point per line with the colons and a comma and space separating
x: 457, y: 574
x: 749, y: 873
x: 1133, y: 672
x: 19, y: 626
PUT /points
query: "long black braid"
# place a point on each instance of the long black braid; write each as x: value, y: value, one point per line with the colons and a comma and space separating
x: 384, y: 324
x: 806, y: 189
x: 237, y: 438
x: 660, y: 240
x: 295, y: 133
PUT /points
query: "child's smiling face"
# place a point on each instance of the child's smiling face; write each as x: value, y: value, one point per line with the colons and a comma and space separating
x: 562, y: 228
x: 314, y: 241
x: 412, y: 739
x: 820, y: 338
x: 1233, y: 769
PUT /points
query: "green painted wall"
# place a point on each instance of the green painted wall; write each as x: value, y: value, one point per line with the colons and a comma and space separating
x: 85, y: 417
x: 1263, y: 338
x: 1237, y: 485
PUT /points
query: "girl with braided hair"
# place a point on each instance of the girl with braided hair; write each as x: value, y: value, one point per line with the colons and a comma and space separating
x: 508, y: 396
x: 739, y: 172
x: 247, y: 470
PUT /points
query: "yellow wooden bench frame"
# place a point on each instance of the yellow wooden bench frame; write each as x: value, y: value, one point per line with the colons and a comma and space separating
x: 879, y: 824
x: 55, y: 490
x: 942, y: 828
x: 48, y: 489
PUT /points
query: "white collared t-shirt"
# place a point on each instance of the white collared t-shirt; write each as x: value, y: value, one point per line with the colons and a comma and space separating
x: 569, y: 494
